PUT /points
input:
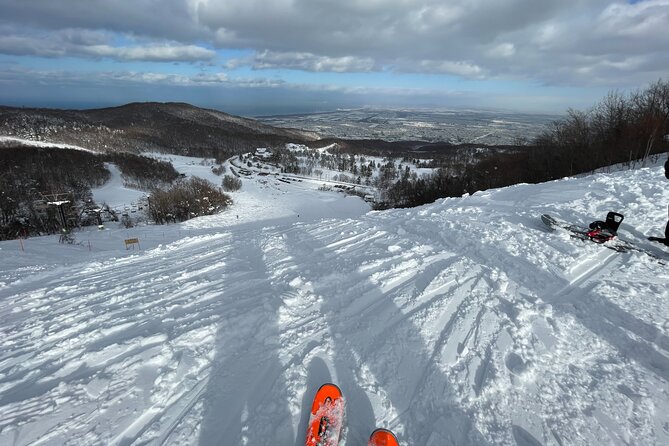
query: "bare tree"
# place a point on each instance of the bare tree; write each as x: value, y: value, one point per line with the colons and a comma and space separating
x: 651, y: 107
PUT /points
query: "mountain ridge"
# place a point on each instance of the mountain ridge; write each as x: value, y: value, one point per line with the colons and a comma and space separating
x: 171, y: 127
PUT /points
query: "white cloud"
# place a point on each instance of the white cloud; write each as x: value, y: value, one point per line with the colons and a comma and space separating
x: 128, y: 77
x: 501, y: 50
x: 458, y: 68
x: 155, y: 53
x: 80, y: 43
x: 153, y: 78
x: 546, y: 42
x: 304, y: 61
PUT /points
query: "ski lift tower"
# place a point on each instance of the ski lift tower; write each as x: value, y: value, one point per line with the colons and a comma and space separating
x: 59, y: 201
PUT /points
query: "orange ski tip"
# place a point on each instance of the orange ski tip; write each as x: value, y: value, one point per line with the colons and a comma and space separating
x: 327, y: 414
x: 382, y: 437
x: 326, y: 391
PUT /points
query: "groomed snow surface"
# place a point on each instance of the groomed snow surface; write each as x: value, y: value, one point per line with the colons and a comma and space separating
x: 460, y: 322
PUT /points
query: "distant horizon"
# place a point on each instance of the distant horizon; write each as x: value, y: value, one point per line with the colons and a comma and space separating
x: 284, y: 112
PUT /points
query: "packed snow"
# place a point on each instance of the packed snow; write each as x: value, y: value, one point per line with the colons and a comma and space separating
x: 460, y: 322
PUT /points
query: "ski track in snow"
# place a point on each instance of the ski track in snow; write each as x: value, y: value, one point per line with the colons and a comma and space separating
x: 460, y: 322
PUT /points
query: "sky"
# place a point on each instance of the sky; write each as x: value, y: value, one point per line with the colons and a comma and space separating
x: 261, y: 57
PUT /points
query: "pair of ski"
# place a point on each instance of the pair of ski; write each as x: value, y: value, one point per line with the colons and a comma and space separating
x: 327, y: 417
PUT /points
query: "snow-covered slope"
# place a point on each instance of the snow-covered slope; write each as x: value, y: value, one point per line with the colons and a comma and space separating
x: 460, y: 322
x: 10, y: 140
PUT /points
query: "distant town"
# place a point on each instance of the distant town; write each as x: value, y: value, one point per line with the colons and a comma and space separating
x: 452, y: 126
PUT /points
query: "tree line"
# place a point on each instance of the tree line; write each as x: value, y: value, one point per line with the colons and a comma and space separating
x: 33, y: 177
x: 185, y: 199
x: 621, y: 128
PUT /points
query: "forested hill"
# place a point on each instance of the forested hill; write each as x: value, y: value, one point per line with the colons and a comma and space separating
x: 167, y: 127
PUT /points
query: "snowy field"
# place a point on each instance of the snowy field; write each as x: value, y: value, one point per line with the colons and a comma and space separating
x: 460, y: 322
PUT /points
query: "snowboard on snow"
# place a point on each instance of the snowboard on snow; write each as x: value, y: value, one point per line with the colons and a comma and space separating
x: 608, y: 239
x: 327, y: 417
x: 611, y: 241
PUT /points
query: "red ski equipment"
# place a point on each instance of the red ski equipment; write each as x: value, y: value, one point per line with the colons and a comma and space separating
x: 327, y: 417
x: 382, y: 437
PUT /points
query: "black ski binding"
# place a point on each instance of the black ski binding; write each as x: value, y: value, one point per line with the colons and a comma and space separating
x: 603, y: 231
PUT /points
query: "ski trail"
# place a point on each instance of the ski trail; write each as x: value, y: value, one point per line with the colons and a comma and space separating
x: 63, y: 312
x: 577, y: 305
x: 132, y: 328
x: 591, y: 267
x: 306, y: 337
x: 248, y: 355
x: 350, y: 311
